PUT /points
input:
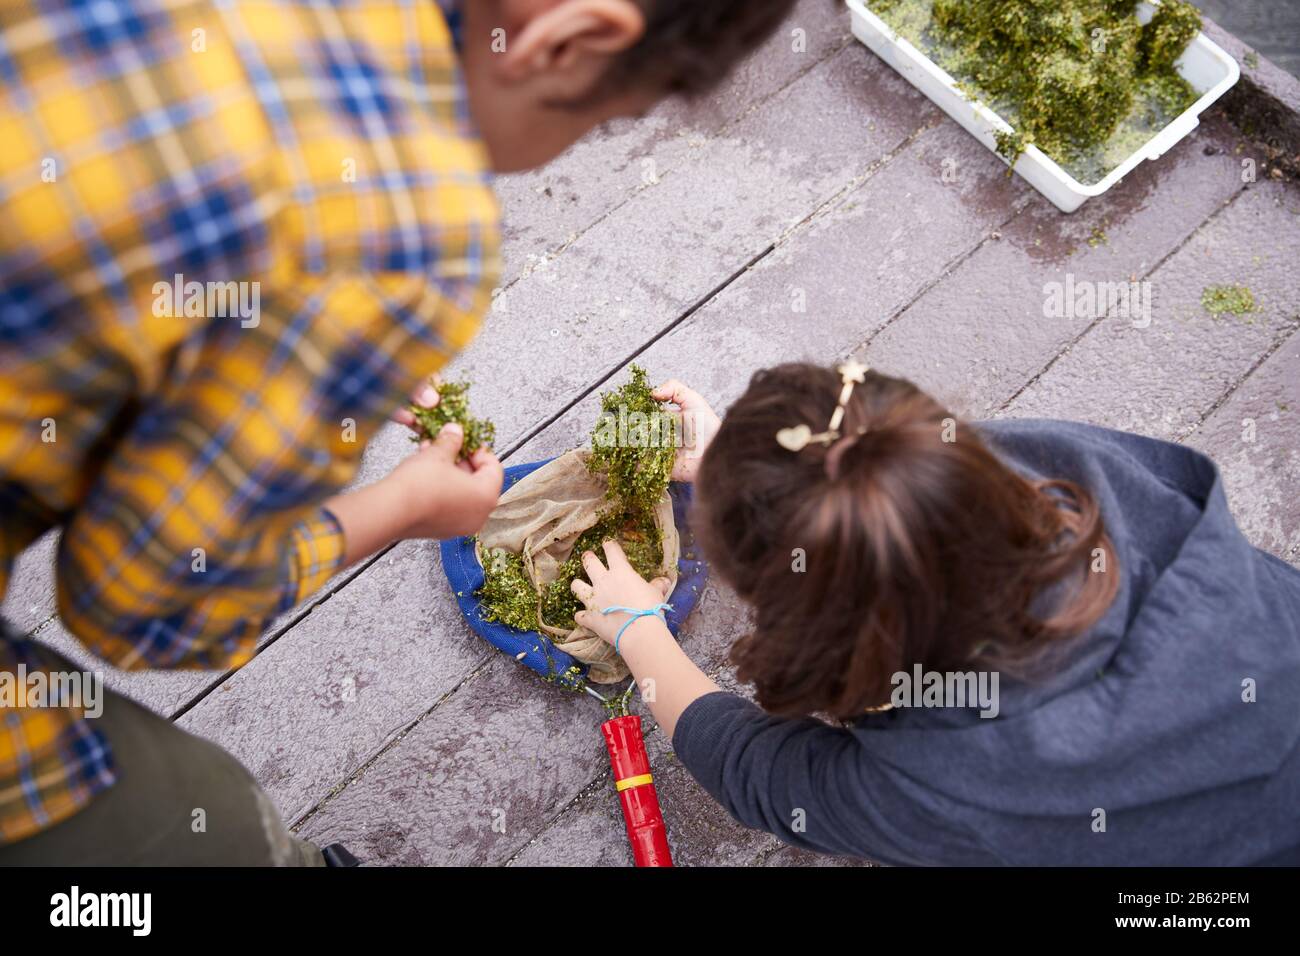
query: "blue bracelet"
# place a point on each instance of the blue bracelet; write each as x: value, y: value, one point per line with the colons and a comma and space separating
x: 656, y: 611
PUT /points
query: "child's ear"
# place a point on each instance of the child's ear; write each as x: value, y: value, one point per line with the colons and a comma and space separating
x: 559, y: 38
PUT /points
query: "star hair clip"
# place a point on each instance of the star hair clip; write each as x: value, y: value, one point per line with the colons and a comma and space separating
x: 801, y: 436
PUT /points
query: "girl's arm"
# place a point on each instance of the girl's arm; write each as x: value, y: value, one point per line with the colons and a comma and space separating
x: 801, y: 780
x: 669, y: 680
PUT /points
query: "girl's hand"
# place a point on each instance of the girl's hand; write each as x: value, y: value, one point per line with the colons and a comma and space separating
x: 699, y: 424
x: 617, y: 585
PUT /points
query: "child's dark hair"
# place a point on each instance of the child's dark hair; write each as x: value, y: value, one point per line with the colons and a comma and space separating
x: 689, y: 46
x: 918, y: 549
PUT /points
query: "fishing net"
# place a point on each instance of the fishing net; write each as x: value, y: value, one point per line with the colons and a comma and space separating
x: 544, y: 522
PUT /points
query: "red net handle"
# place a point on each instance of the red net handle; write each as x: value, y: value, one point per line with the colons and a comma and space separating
x: 636, y: 791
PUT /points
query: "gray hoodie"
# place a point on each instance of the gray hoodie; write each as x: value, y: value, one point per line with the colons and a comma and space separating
x: 1138, y: 748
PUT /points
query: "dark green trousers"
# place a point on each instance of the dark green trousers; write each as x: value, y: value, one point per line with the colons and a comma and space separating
x: 179, y: 800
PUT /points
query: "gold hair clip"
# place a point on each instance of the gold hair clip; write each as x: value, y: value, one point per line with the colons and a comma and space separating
x: 800, y: 437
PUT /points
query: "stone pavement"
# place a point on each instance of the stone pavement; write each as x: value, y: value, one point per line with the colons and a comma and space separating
x: 687, y: 242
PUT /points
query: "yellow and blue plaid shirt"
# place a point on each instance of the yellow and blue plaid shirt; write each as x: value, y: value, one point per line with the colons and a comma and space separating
x: 312, y: 161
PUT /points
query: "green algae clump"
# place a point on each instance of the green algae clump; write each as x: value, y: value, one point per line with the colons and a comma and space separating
x: 453, y: 406
x: 507, y: 595
x: 634, y: 443
x: 1082, y: 80
x: 1228, y: 299
x: 641, y: 540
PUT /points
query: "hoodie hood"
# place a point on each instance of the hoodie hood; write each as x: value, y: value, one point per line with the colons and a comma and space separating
x: 1187, y: 687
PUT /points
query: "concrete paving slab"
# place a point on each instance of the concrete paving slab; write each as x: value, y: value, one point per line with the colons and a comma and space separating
x: 400, y: 809
x: 471, y: 781
x: 700, y: 831
x: 1254, y: 436
x: 976, y: 338
x: 549, y: 208
x: 319, y: 701
x: 1160, y: 371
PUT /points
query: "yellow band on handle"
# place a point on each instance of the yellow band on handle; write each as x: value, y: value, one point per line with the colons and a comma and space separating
x: 627, y: 783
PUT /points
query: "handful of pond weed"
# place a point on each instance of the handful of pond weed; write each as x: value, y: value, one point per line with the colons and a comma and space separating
x: 634, y: 444
x: 453, y: 406
x: 616, y: 491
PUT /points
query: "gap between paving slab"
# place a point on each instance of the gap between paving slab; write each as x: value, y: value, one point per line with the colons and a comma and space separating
x: 1255, y: 438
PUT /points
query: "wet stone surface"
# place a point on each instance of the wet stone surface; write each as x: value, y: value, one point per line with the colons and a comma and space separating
x: 817, y: 207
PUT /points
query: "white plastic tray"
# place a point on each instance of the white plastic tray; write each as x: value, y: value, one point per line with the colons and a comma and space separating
x: 1204, y: 65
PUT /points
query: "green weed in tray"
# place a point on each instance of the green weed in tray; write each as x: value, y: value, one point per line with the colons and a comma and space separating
x: 1082, y: 80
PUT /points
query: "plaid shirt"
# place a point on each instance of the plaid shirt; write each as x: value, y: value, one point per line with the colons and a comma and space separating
x: 312, y: 167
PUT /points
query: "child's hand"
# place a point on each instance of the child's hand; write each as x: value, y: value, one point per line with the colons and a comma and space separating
x: 443, y: 498
x: 426, y: 396
x: 699, y: 424
x: 615, y: 586
x: 429, y: 495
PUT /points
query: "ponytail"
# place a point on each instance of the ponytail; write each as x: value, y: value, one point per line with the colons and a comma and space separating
x: 891, y: 547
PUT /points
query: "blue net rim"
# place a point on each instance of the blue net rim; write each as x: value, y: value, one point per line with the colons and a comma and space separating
x: 534, y: 649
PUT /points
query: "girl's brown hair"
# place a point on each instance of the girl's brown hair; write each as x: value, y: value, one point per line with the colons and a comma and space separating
x: 918, y: 545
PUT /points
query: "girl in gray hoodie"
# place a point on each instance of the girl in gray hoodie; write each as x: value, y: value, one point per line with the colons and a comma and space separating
x: 1021, y: 642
